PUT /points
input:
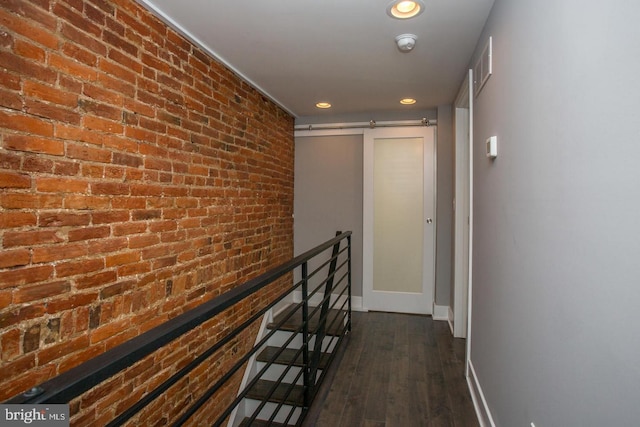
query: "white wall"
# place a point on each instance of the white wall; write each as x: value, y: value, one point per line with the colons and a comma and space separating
x: 556, y: 254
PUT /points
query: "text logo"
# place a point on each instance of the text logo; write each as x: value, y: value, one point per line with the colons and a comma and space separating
x: 34, y: 415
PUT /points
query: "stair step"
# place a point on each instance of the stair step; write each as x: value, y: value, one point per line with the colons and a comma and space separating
x: 260, y: 423
x: 261, y: 389
x: 335, y: 321
x: 287, y: 357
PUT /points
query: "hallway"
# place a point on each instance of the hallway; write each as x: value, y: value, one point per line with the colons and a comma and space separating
x: 396, y: 370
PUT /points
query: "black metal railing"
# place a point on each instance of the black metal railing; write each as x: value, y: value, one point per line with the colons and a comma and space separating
x: 322, y: 304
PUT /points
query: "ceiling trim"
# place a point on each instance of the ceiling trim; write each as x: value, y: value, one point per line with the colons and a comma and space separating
x: 193, y: 39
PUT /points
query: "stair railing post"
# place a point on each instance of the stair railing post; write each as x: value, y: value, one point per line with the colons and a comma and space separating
x: 349, y: 280
x: 305, y: 335
x: 321, y: 330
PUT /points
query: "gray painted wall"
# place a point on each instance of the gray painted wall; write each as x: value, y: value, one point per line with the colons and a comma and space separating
x: 444, y: 194
x: 328, y: 195
x: 556, y: 279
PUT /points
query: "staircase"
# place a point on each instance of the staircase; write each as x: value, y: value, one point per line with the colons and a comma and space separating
x: 277, y: 398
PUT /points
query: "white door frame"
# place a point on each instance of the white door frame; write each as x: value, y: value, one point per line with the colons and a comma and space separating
x: 462, y: 137
x: 463, y: 213
x: 371, y: 300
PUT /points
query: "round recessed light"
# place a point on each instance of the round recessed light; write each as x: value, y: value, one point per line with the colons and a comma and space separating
x: 405, y: 9
x: 407, y: 101
x: 323, y: 105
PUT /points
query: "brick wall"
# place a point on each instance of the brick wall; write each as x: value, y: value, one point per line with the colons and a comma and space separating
x: 138, y: 179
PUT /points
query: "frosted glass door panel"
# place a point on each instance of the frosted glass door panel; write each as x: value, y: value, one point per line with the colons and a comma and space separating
x: 398, y: 215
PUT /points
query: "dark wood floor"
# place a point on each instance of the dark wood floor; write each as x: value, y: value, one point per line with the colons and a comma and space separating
x: 396, y: 370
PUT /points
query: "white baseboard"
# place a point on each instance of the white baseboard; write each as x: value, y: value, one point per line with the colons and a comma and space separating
x: 440, y: 312
x: 356, y: 302
x: 450, y: 320
x: 479, y: 402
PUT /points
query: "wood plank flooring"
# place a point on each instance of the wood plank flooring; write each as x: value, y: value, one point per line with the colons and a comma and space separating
x: 395, y: 370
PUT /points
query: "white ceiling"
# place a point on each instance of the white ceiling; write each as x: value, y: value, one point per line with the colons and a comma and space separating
x: 299, y: 52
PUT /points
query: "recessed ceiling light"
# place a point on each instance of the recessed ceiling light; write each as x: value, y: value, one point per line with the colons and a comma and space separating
x: 323, y: 105
x: 407, y: 101
x: 405, y: 9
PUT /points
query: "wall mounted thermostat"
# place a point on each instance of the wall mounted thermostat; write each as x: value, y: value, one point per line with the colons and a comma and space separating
x: 492, y: 147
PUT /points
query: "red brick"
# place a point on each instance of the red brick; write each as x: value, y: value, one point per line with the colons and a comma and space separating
x: 22, y: 314
x: 64, y: 131
x: 11, y: 100
x: 129, y: 228
x: 81, y: 38
x: 143, y: 241
x: 28, y: 238
x: 56, y: 219
x: 134, y: 269
x: 76, y: 19
x: 28, y: 29
x: 26, y: 201
x: 80, y: 54
x: 139, y: 108
x: 50, y: 94
x: 146, y: 190
x: 14, y: 180
x: 102, y: 125
x: 10, y: 344
x: 10, y: 81
x: 109, y: 330
x: 53, y: 253
x: 120, y: 43
x: 99, y: 279
x: 117, y: 71
x: 120, y: 144
x: 127, y: 160
x: 74, y: 301
x: 78, y: 357
x: 146, y: 214
x: 69, y: 83
x: 100, y: 94
x: 29, y: 50
x: 110, y: 188
x: 25, y: 275
x: 69, y: 66
x: 36, y: 292
x: 25, y: 123
x: 14, y: 258
x: 50, y: 111
x: 38, y: 164
x: 62, y: 349
x: 66, y: 168
x: 17, y: 219
x: 84, y: 202
x: 22, y: 364
x: 61, y: 185
x: 90, y: 153
x: 34, y: 144
x: 88, y: 233
x: 101, y: 110
x: 110, y: 216
x: 74, y: 268
x: 95, y: 14
x: 126, y: 202
x: 32, y: 11
x: 122, y: 259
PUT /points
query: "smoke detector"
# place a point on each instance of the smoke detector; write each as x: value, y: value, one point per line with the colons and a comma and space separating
x: 406, y: 42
